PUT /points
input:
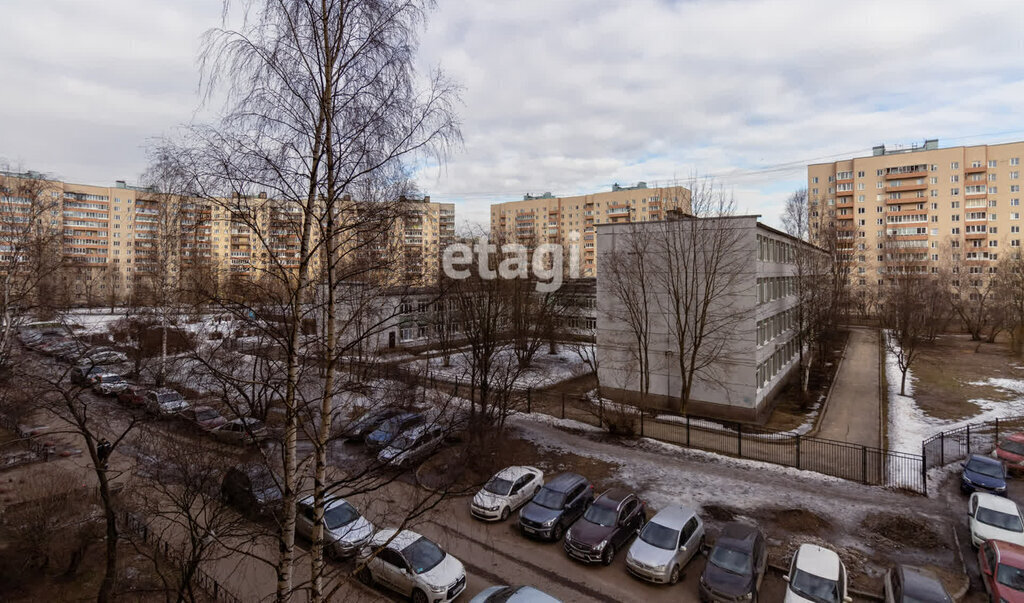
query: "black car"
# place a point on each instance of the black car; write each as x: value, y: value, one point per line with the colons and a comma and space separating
x: 736, y: 564
x: 558, y: 504
x: 904, y: 584
x: 251, y: 488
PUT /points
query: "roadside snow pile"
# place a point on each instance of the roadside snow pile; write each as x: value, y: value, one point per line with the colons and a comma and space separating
x: 545, y: 370
x: 908, y: 424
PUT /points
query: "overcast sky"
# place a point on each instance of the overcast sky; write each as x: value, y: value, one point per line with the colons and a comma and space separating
x: 562, y: 96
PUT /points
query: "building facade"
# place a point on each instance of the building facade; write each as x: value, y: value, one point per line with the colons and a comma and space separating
x: 918, y: 208
x: 751, y: 330
x: 569, y: 220
x: 112, y: 240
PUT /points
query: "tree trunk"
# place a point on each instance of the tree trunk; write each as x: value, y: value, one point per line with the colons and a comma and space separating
x: 110, y: 571
x: 903, y: 382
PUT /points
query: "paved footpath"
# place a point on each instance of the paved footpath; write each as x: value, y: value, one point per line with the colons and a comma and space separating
x: 854, y: 412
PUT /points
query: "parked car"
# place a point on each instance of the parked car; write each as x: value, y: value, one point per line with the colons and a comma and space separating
x: 58, y: 347
x: 665, y: 545
x: 983, y: 474
x: 391, y: 428
x: 206, y: 417
x: 109, y: 384
x: 165, y: 401
x: 71, y: 353
x: 606, y: 526
x: 365, y: 423
x: 412, y: 445
x: 994, y: 518
x: 816, y: 575
x: 133, y: 394
x: 244, y: 430
x: 513, y: 594
x: 556, y: 506
x: 906, y: 584
x: 102, y: 357
x: 345, y: 529
x: 736, y: 564
x: 507, y: 491
x: 413, y: 566
x: 251, y: 488
x: 1002, y: 571
x: 1011, y: 451
x: 85, y: 376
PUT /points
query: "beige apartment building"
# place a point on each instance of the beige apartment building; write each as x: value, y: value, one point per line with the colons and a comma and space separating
x: 550, y: 219
x: 109, y: 237
x: 934, y: 204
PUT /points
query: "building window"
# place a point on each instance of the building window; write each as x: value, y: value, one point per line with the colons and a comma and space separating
x: 992, y: 163
x: 955, y: 165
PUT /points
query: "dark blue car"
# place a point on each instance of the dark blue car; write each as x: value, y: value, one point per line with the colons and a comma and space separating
x: 983, y: 474
x: 390, y: 429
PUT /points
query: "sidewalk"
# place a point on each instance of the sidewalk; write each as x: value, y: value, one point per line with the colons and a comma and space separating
x: 854, y: 412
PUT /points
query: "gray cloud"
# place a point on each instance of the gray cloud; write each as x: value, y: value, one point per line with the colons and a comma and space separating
x: 565, y: 97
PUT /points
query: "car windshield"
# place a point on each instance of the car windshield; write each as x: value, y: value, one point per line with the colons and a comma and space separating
x: 550, y: 499
x: 1007, y: 575
x: 601, y: 515
x: 986, y: 469
x: 423, y: 555
x: 731, y: 560
x: 404, y: 441
x: 498, y: 486
x: 206, y: 415
x: 340, y: 515
x: 660, y: 536
x: 1005, y: 521
x: 113, y: 379
x: 1013, y: 447
x: 168, y: 397
x: 814, y: 588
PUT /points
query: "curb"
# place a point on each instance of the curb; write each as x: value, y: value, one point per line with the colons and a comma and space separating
x: 959, y: 594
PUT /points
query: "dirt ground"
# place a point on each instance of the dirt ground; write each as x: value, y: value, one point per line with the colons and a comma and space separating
x: 945, y: 370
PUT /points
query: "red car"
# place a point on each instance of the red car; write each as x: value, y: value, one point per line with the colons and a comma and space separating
x: 1002, y: 570
x: 134, y: 395
x: 206, y: 417
x: 1011, y: 451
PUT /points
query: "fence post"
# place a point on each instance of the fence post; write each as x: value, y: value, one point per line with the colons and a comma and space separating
x: 924, y: 468
x: 687, y: 431
x: 529, y: 400
x: 864, y: 463
x: 641, y: 412
x: 563, y: 405
x: 942, y: 448
x: 968, y: 438
x: 739, y: 440
x: 798, y: 451
x: 997, y: 432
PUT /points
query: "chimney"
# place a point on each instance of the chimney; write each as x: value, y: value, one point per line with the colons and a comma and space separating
x: 121, y: 184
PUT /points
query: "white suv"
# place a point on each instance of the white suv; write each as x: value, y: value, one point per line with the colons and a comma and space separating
x: 412, y: 566
x: 816, y: 575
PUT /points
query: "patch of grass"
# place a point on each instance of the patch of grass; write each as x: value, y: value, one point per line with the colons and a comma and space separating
x: 945, y: 371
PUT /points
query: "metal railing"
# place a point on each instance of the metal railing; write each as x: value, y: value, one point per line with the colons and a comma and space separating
x: 974, y: 438
x: 200, y: 578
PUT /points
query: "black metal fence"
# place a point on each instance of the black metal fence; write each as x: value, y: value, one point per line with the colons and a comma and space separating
x: 40, y: 449
x: 138, y: 526
x: 865, y: 464
x: 974, y: 438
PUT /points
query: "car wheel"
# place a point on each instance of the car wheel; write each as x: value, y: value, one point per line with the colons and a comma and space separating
x: 700, y: 547
x: 609, y: 554
x: 365, y: 576
x: 674, y: 576
x: 504, y: 513
x: 556, y: 532
x: 418, y: 596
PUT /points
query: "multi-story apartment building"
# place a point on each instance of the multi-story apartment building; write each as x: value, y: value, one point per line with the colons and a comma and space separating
x: 750, y: 349
x: 112, y: 238
x: 574, y: 220
x: 917, y: 208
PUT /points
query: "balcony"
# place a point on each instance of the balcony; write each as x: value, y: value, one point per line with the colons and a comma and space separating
x: 618, y: 211
x: 976, y: 235
x: 976, y: 195
x: 916, y: 186
x: 845, y: 217
x: 845, y: 201
x: 975, y: 169
x: 919, y: 172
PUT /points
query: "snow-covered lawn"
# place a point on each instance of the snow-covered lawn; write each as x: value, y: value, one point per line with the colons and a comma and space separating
x: 545, y: 370
x: 909, y: 425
